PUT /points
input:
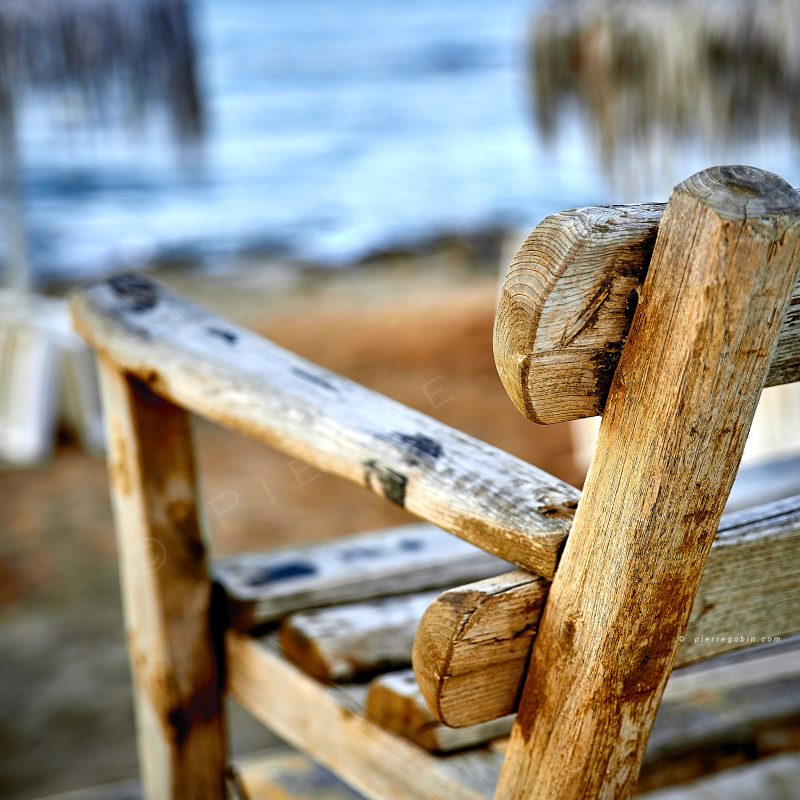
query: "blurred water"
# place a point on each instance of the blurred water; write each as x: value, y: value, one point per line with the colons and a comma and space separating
x: 336, y: 129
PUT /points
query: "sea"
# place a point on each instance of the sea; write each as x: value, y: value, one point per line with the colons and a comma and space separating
x: 335, y: 130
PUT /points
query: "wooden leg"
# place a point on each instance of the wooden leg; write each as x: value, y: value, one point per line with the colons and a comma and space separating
x: 166, y: 592
x: 677, y: 416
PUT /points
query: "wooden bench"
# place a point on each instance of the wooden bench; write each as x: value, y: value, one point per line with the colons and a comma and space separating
x: 555, y: 657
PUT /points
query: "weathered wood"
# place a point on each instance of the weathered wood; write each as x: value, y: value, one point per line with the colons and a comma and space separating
x: 288, y: 775
x: 473, y: 645
x: 395, y: 702
x: 166, y: 592
x: 239, y: 380
x: 328, y: 724
x: 354, y: 640
x: 743, y: 705
x: 721, y: 704
x: 474, y: 642
x: 567, y: 304
x: 264, y: 587
x: 678, y: 412
x: 775, y: 778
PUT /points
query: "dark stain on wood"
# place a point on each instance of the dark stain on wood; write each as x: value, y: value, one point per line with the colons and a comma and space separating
x: 565, y: 510
x: 631, y: 303
x: 524, y: 374
x: 221, y: 333
x: 643, y: 674
x: 139, y: 293
x: 315, y: 378
x: 281, y: 572
x: 411, y: 545
x: 588, y: 315
x: 393, y: 484
x: 202, y: 708
x: 359, y: 553
x: 148, y: 389
x: 604, y: 365
x: 699, y: 517
x: 417, y: 447
x: 568, y: 637
x: 527, y: 712
x: 220, y: 621
x: 183, y: 533
x: 454, y: 599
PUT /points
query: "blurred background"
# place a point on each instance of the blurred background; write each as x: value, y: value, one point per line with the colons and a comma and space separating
x: 349, y: 179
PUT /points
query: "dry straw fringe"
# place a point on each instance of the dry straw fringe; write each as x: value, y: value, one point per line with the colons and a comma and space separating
x: 138, y: 51
x: 716, y: 71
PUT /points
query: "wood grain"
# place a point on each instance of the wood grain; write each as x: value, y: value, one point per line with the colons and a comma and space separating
x: 264, y: 587
x: 678, y: 412
x: 723, y: 704
x: 237, y: 379
x: 328, y: 724
x: 474, y: 642
x: 776, y: 778
x: 166, y: 592
x: 395, y: 702
x: 566, y: 307
x: 288, y: 775
x: 355, y: 640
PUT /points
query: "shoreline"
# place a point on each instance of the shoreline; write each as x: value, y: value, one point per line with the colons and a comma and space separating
x: 480, y: 250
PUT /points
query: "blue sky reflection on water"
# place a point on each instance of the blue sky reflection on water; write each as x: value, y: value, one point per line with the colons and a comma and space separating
x: 336, y: 129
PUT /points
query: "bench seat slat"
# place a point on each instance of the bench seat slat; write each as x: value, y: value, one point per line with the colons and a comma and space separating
x: 727, y: 705
x: 768, y: 680
x: 264, y: 587
x: 473, y: 643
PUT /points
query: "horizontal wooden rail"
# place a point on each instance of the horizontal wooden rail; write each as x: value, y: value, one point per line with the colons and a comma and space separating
x: 395, y: 702
x: 718, y: 706
x: 473, y: 644
x: 342, y: 643
x: 240, y: 380
x: 568, y: 302
x: 328, y: 724
x: 264, y: 587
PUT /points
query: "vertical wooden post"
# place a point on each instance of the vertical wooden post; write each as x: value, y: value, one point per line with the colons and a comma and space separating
x: 166, y: 592
x: 672, y: 435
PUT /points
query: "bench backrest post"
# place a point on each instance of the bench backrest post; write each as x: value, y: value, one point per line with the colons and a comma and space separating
x: 166, y: 592
x: 678, y: 412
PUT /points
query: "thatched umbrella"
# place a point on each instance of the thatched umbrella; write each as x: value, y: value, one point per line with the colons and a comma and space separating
x: 722, y: 71
x: 137, y: 51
